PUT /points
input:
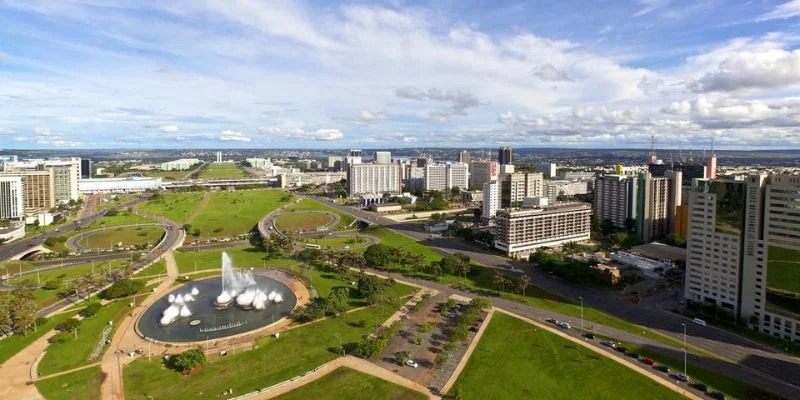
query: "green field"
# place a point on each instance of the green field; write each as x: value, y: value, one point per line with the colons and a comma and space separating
x: 301, y: 221
x: 345, y: 383
x: 177, y: 207
x: 273, y: 360
x: 307, y: 204
x: 12, y: 345
x: 127, y: 236
x: 69, y: 273
x: 122, y: 218
x: 235, y: 213
x: 112, y: 201
x: 83, y: 384
x: 514, y: 360
x: 153, y: 271
x: 166, y: 175
x: 222, y: 171
x: 75, y: 353
x: 337, y: 242
x: 783, y: 269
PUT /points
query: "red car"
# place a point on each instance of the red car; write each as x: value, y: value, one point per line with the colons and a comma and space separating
x: 649, y: 361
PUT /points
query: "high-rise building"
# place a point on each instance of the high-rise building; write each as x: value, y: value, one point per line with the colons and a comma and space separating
x: 514, y: 188
x: 219, y: 156
x: 457, y: 175
x: 549, y: 170
x: 383, y: 157
x: 86, y: 168
x: 676, y: 215
x: 463, y: 156
x: 354, y: 157
x: 332, y: 160
x: 504, y: 155
x: 435, y: 177
x: 653, y: 207
x: 415, y: 178
x: 491, y: 199
x: 66, y: 175
x: 711, y: 166
x: 481, y: 172
x: 12, y: 205
x: 553, y: 189
x: 615, y: 199
x: 374, y: 179
x: 521, y: 231
x: 742, y: 250
x: 38, y: 189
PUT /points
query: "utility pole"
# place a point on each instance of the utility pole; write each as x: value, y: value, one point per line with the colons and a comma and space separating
x: 581, y: 297
x: 684, y: 350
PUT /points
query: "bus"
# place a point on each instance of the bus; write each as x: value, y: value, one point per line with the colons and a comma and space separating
x: 312, y: 246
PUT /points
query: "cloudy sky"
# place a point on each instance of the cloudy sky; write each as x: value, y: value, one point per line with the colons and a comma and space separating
x: 325, y: 74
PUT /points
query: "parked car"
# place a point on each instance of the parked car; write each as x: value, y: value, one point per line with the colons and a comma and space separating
x: 552, y: 320
x: 589, y: 336
x: 700, y: 386
x: 662, y: 368
x: 699, y: 321
x: 621, y: 349
x: 717, y: 395
x: 403, y: 316
x: 649, y: 361
x: 564, y: 325
x: 609, y: 343
x: 682, y: 377
x: 633, y: 355
x: 412, y: 364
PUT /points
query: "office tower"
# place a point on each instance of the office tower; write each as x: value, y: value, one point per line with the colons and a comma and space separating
x: 514, y: 188
x: 354, y: 157
x: 457, y: 175
x: 12, y: 205
x: 689, y: 171
x: 553, y: 189
x: 481, y: 172
x: 615, y: 199
x: 711, y: 166
x: 652, y: 207
x: 491, y: 199
x: 549, y: 170
x: 675, y: 214
x: 520, y: 232
x: 383, y: 157
x: 651, y: 157
x: 415, y: 178
x: 463, y: 156
x: 507, y: 168
x: 66, y: 175
x: 374, y: 179
x: 332, y: 160
x: 424, y: 159
x: 504, y: 155
x: 435, y: 177
x: 38, y: 189
x: 86, y: 168
x: 219, y: 156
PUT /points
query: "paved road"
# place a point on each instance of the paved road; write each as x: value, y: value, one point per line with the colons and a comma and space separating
x: 11, y: 249
x: 758, y: 365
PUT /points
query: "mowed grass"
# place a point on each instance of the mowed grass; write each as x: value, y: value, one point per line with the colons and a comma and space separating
x: 234, y: 213
x: 346, y: 383
x: 337, y: 242
x: 514, y: 360
x: 222, y: 171
x: 176, y: 207
x: 75, y: 352
x: 307, y: 204
x: 273, y: 360
x: 83, y: 385
x: 122, y: 218
x: 166, y: 175
x: 126, y: 235
x: 301, y: 221
x: 783, y: 269
x: 12, y: 345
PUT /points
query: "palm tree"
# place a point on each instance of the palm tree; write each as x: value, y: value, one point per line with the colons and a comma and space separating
x: 523, y: 283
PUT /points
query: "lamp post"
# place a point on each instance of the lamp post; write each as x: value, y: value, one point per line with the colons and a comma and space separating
x: 684, y: 350
x: 581, y: 298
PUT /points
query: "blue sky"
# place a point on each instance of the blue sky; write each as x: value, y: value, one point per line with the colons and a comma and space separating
x: 323, y: 74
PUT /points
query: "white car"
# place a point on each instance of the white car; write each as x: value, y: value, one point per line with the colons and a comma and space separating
x: 412, y: 364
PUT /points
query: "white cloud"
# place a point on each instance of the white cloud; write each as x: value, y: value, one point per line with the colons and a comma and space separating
x: 169, y: 128
x: 726, y: 112
x: 231, y: 136
x: 758, y: 68
x: 289, y: 133
x: 548, y: 72
x: 789, y: 9
x: 606, y: 29
x: 328, y: 134
x: 367, y: 117
x: 458, y: 102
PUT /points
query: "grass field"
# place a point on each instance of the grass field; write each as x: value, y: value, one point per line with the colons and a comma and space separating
x: 122, y: 218
x: 71, y: 272
x: 166, y: 175
x: 307, y: 204
x: 783, y: 270
x: 177, y: 207
x: 112, y: 201
x: 273, y: 360
x: 12, y: 345
x: 345, y: 383
x: 126, y: 235
x: 340, y: 242
x: 516, y: 361
x: 234, y: 213
x: 154, y: 270
x: 301, y: 221
x: 83, y: 384
x: 222, y: 171
x: 75, y: 353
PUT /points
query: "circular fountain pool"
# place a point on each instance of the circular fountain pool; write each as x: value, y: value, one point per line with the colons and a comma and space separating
x: 214, y: 323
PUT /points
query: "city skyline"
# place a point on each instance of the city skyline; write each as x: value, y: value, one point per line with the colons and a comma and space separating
x: 319, y: 75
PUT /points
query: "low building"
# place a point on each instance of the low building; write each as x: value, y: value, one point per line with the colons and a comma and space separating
x: 119, y: 185
x: 183, y: 164
x: 521, y: 231
x: 11, y: 233
x: 437, y: 227
x: 385, y: 208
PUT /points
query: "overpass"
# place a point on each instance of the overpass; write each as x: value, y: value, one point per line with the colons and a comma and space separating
x: 31, y: 251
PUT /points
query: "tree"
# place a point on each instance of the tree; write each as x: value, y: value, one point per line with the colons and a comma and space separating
x: 339, y: 294
x: 480, y: 303
x: 523, y: 283
x: 189, y: 359
x: 371, y: 287
x: 416, y: 262
x: 23, y: 311
x: 123, y: 288
x: 402, y: 357
x: 91, y: 310
x: 370, y: 347
x: 378, y: 255
x: 6, y: 324
x: 500, y: 280
x: 310, y: 255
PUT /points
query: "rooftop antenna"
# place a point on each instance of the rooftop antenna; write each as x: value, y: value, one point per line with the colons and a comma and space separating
x: 690, y: 152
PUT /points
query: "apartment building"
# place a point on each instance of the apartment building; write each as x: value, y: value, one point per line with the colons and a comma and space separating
x: 481, y: 172
x: 615, y: 199
x: 520, y: 232
x: 183, y: 164
x: 383, y: 157
x: 491, y: 200
x: 515, y: 187
x: 12, y: 204
x: 374, y: 179
x: 653, y: 203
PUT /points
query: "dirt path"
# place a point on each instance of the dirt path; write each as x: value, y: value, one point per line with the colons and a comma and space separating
x: 15, y: 373
x: 69, y: 371
x: 200, y: 207
x: 351, y: 362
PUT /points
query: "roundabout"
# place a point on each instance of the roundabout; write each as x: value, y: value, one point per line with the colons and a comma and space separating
x: 305, y: 222
x: 139, y: 236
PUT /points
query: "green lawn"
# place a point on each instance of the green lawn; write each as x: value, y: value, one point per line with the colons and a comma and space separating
x: 127, y: 236
x: 12, y: 345
x: 516, y: 361
x: 273, y: 360
x: 122, y: 218
x: 234, y: 213
x: 112, y: 201
x: 166, y: 175
x: 301, y: 221
x: 783, y: 269
x: 174, y: 206
x: 83, y: 384
x: 71, y: 272
x: 338, y: 242
x: 345, y: 383
x: 153, y: 271
x: 307, y: 204
x: 222, y: 171
x: 75, y: 353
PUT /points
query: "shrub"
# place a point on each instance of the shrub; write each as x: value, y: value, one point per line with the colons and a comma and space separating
x: 91, y: 310
x: 187, y: 360
x: 61, y: 337
x: 122, y: 288
x: 53, y: 284
x: 68, y: 325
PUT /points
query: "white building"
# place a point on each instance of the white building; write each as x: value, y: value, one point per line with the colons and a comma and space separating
x: 491, y: 199
x: 555, y: 188
x: 12, y: 204
x: 66, y: 176
x: 521, y: 231
x: 374, y: 179
x: 11, y: 233
x: 435, y: 177
x: 219, y: 156
x: 457, y: 175
x: 310, y: 178
x: 119, y: 185
x: 183, y: 164
x: 259, y: 163
x: 383, y: 157
x: 548, y: 169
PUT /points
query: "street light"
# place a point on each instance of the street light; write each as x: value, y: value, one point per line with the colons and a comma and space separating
x: 581, y: 297
x: 684, y: 350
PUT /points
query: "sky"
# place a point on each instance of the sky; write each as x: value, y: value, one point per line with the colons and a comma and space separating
x: 387, y: 74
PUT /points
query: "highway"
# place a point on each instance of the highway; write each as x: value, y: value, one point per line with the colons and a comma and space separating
x: 754, y: 363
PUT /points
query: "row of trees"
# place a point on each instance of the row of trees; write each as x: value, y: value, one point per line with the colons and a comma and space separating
x: 570, y: 269
x: 18, y: 310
